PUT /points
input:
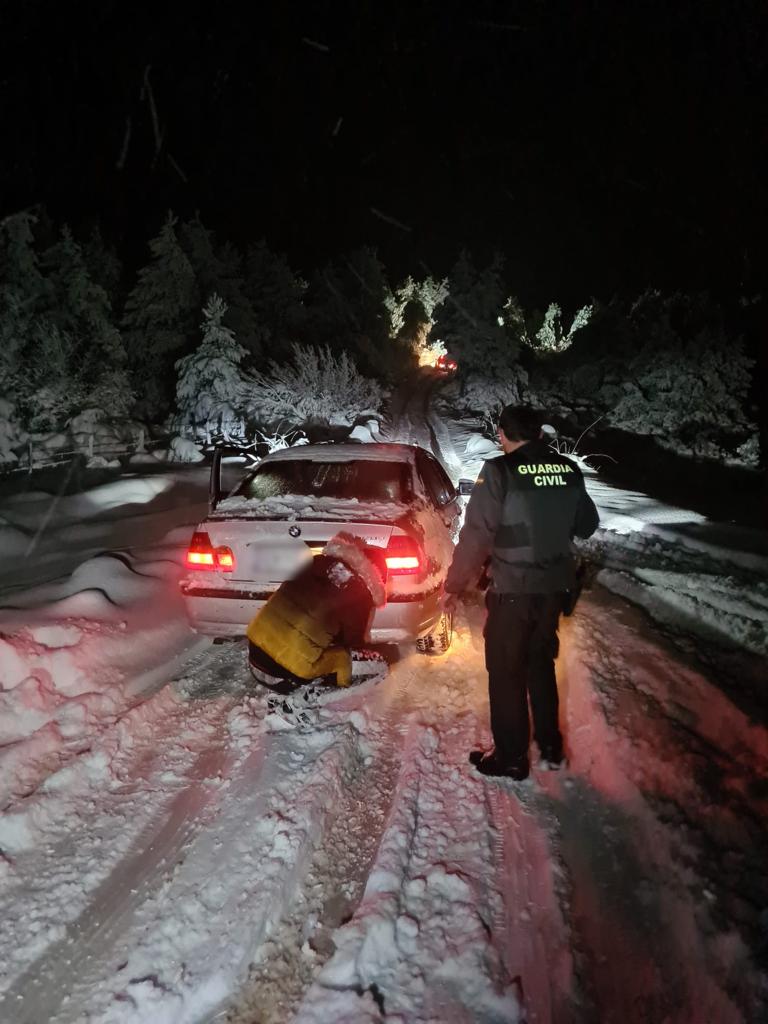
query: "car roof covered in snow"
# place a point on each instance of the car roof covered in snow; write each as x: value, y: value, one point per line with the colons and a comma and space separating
x: 376, y: 452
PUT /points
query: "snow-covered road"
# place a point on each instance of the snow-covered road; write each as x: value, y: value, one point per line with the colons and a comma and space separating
x: 203, y: 855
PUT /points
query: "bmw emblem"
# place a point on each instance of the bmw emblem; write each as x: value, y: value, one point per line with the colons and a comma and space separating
x: 295, y: 531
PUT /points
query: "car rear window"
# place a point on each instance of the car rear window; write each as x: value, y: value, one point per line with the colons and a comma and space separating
x: 366, y: 480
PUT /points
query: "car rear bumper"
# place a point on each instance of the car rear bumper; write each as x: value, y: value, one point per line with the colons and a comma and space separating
x: 220, y: 612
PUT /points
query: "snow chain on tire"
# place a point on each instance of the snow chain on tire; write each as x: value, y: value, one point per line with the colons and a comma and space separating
x: 439, y: 641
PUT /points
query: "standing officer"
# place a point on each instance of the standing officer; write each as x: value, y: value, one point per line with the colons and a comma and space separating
x: 525, y: 508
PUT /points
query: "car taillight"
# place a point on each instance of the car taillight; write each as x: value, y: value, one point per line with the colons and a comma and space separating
x: 225, y: 560
x: 202, y: 555
x: 403, y: 556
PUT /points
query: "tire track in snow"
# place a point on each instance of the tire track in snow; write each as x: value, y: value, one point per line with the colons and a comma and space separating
x: 421, y: 944
x: 336, y: 878
x: 37, y: 994
x: 644, y: 892
x: 412, y: 420
x: 409, y: 419
x: 191, y: 932
x: 529, y: 927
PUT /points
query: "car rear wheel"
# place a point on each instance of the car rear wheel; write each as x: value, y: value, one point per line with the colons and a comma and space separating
x: 440, y: 639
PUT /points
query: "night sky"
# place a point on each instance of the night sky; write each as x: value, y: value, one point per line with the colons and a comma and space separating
x: 602, y: 146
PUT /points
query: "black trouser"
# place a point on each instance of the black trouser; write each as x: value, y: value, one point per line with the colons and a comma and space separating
x: 520, y: 648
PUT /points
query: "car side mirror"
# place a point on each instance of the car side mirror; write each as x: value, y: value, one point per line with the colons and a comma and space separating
x: 466, y: 486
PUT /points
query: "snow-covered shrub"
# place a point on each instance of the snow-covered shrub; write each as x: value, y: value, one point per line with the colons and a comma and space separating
x: 315, y: 387
x: 210, y: 387
x: 685, y: 395
x: 280, y: 438
x: 748, y: 454
x: 184, y: 450
x: 112, y: 391
x: 93, y: 430
x: 11, y: 435
x: 486, y: 395
x: 48, y: 408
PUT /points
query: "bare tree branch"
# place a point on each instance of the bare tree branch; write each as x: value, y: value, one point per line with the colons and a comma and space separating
x: 315, y: 45
x: 147, y: 90
x: 178, y: 170
x: 389, y: 220
x: 126, y: 142
x: 27, y: 209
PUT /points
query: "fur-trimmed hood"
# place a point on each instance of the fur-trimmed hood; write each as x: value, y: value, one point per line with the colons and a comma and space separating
x: 352, y: 551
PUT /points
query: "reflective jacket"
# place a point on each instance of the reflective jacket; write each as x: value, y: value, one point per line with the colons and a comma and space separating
x: 524, y: 510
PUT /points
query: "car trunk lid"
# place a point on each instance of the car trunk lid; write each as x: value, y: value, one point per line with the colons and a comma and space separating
x: 268, y: 552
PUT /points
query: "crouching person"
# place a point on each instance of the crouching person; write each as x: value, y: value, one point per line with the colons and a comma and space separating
x: 307, y: 626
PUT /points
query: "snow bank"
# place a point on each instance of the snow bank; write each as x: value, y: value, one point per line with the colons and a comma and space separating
x: 714, y: 606
x: 33, y: 509
x: 80, y: 658
x: 12, y: 539
x: 479, y: 446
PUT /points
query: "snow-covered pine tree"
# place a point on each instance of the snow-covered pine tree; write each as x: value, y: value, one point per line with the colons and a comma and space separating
x: 276, y: 296
x: 21, y: 292
x: 686, y: 380
x: 210, y: 385
x: 36, y: 354
x: 349, y: 308
x: 219, y: 269
x: 81, y: 312
x: 470, y: 322
x: 104, y: 265
x: 158, y: 321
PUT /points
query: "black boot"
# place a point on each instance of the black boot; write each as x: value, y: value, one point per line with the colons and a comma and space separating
x: 488, y: 763
x: 552, y: 759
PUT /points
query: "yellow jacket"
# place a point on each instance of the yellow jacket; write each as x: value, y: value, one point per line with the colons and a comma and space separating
x: 302, y: 622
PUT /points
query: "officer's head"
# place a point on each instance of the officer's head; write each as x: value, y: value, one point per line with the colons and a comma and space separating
x: 518, y: 425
